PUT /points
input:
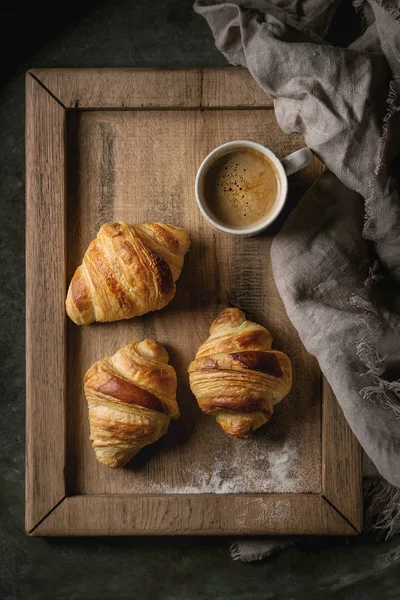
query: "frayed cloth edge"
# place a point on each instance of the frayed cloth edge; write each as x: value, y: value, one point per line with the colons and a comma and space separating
x: 382, y: 390
x: 359, y: 6
x: 390, y: 111
x: 391, y: 10
x: 238, y: 554
x: 382, y: 515
x: 370, y: 202
x: 250, y: 550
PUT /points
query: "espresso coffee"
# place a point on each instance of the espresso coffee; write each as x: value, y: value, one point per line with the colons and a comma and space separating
x: 241, y: 188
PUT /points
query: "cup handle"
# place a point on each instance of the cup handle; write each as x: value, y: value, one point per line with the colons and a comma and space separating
x: 297, y: 160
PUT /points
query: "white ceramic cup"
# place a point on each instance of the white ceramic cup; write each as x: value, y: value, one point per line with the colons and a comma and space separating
x: 292, y: 163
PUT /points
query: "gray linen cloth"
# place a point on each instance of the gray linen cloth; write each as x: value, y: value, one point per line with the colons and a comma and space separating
x: 336, y: 260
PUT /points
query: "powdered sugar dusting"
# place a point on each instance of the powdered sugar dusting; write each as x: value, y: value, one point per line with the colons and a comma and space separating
x: 225, y: 477
x: 274, y: 460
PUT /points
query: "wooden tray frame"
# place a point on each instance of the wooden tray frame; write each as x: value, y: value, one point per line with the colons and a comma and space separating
x: 50, y: 94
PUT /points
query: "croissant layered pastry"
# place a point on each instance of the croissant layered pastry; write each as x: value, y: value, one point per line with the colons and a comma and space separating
x: 132, y: 399
x: 128, y: 270
x: 236, y: 376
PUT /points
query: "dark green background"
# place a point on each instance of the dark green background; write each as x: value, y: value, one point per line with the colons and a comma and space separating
x: 115, y: 34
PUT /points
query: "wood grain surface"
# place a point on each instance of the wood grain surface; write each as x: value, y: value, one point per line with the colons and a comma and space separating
x: 45, y: 294
x: 341, y: 461
x: 227, y: 87
x: 206, y: 514
x: 139, y: 165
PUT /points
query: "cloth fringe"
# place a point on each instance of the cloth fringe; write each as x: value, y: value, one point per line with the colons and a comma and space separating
x: 382, y: 513
x: 373, y: 275
x: 359, y: 8
x: 383, y: 390
x: 370, y: 202
x: 391, y: 110
x: 259, y: 548
x: 391, y: 10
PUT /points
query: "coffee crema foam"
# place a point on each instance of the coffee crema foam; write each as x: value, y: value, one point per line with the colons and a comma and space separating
x: 241, y: 188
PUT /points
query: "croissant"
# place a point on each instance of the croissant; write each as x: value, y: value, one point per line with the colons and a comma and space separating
x: 236, y: 376
x: 128, y: 270
x: 131, y: 398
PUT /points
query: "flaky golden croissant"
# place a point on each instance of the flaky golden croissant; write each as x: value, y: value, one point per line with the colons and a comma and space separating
x: 131, y: 398
x: 236, y: 376
x: 128, y: 270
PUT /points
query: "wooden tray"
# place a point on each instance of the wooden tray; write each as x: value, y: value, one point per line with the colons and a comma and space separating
x: 106, y: 145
